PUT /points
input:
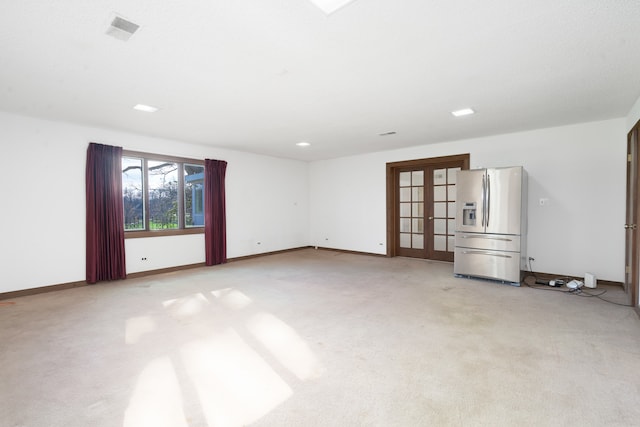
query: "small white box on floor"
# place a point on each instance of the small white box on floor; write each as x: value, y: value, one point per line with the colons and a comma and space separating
x: 590, y: 280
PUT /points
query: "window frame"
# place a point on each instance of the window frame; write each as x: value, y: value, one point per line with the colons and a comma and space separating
x: 182, y: 229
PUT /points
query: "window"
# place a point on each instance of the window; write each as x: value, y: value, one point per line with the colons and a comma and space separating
x: 194, y: 195
x: 132, y: 193
x: 162, y: 194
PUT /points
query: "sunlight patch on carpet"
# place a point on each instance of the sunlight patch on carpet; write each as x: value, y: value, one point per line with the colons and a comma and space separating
x: 157, y: 399
x: 235, y: 385
x: 286, y: 345
x: 232, y: 298
x: 186, y: 307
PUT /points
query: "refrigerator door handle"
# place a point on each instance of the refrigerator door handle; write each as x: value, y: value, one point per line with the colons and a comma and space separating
x: 486, y: 253
x: 484, y: 190
x: 488, y: 197
x: 503, y: 239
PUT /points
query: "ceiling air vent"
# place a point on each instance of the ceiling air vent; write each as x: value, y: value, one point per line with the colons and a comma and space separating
x: 122, y: 29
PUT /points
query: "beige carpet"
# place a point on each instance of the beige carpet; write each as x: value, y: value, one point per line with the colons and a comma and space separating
x: 317, y: 338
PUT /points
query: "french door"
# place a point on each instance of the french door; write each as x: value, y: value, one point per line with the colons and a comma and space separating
x: 421, y: 209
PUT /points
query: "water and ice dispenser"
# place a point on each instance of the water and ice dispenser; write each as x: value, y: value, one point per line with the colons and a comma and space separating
x: 469, y: 213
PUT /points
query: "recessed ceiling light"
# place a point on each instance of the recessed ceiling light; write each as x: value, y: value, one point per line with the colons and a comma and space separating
x: 303, y: 144
x: 463, y: 112
x: 330, y: 6
x: 145, y: 108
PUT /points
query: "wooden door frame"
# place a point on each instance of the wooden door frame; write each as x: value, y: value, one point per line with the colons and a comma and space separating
x: 633, y: 198
x: 392, y: 168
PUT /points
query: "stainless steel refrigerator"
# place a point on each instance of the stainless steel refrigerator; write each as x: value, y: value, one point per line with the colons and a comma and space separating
x: 491, y: 224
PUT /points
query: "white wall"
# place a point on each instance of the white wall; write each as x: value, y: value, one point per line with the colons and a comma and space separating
x: 580, y: 168
x: 43, y: 203
x: 633, y: 116
x: 284, y: 204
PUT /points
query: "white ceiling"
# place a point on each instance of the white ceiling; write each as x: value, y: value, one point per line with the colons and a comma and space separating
x: 261, y: 75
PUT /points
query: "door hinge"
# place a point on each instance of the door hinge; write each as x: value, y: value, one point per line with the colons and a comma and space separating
x: 626, y: 269
x: 628, y: 157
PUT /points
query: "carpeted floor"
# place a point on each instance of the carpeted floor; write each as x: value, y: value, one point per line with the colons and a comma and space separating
x: 317, y: 338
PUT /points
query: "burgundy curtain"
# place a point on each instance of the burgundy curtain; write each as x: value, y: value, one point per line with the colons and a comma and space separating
x: 215, y: 223
x: 105, y: 214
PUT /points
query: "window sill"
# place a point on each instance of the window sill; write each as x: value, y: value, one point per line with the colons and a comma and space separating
x: 163, y: 233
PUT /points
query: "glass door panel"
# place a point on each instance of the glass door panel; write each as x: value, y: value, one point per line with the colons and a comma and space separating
x: 443, y: 212
x: 411, y: 211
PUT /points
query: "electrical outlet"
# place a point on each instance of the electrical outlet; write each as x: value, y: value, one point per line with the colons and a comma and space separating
x: 543, y: 201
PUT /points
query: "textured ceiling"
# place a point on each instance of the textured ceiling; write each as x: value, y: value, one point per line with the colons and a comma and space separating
x: 261, y: 75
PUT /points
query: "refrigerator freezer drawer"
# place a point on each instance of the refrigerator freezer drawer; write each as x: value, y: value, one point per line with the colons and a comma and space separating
x: 488, y: 264
x: 496, y: 242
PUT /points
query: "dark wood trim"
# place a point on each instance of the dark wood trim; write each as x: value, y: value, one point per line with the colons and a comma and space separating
x: 392, y: 167
x: 431, y: 160
x: 164, y: 270
x: 242, y: 258
x: 41, y: 290
x: 160, y: 233
x: 632, y: 237
x: 71, y: 285
x: 604, y: 282
x: 391, y: 212
x: 345, y: 251
x: 550, y: 276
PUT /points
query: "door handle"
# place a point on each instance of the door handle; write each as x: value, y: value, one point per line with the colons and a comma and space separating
x: 499, y: 255
x: 503, y: 239
x: 488, y: 197
x: 631, y: 226
x: 484, y: 199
